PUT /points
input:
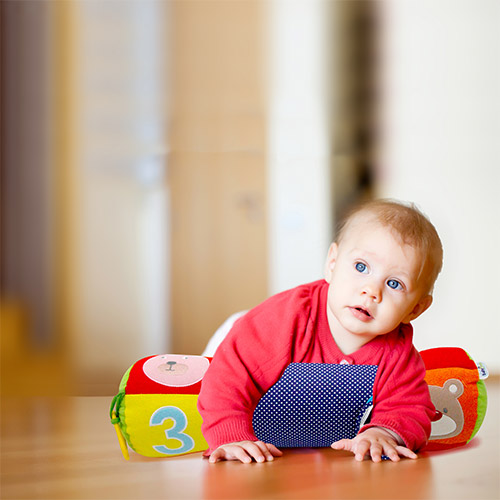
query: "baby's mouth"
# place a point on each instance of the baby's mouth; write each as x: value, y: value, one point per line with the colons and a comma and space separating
x: 363, y: 313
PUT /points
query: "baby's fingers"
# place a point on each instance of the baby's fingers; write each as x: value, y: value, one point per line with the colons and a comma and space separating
x: 393, y: 453
x: 343, y: 444
x: 245, y: 452
x: 261, y: 451
x: 218, y: 455
x: 405, y: 452
x: 359, y: 447
x: 373, y: 447
x: 270, y: 450
x: 376, y: 450
x: 230, y: 452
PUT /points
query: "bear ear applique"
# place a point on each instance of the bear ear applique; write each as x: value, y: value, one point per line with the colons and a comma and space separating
x: 458, y: 394
x: 454, y: 387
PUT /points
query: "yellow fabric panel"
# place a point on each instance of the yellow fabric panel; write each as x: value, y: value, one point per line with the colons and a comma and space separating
x: 163, y: 425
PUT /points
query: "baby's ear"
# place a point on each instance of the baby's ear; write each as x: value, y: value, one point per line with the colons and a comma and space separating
x: 422, y: 305
x: 331, y: 258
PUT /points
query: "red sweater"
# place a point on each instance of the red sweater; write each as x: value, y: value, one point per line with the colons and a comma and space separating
x: 292, y: 327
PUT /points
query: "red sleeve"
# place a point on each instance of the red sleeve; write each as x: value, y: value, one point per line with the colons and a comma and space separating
x: 247, y: 363
x: 402, y: 402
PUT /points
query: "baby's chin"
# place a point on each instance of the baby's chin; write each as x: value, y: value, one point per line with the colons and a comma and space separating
x: 346, y: 323
x: 369, y: 329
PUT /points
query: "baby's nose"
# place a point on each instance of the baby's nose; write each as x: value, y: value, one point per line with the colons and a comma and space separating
x: 373, y: 291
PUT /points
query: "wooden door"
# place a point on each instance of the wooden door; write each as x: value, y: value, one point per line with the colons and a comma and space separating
x: 217, y: 166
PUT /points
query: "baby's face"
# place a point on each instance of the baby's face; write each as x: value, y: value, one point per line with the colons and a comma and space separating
x: 374, y: 284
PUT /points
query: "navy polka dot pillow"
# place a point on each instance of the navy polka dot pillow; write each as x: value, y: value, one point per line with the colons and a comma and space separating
x: 315, y: 404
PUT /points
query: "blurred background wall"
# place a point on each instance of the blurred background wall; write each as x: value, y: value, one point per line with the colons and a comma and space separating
x: 168, y: 163
x: 440, y: 148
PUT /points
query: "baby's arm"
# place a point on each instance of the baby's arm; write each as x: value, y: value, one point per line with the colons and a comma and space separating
x: 402, y: 404
x: 373, y: 443
x: 245, y: 452
x: 245, y: 366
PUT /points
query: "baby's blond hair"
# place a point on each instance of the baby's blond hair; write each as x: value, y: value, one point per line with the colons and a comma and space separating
x: 410, y: 225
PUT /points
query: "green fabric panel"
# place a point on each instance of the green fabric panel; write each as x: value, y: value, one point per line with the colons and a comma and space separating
x: 120, y: 405
x: 482, y: 403
x: 123, y: 424
x: 124, y: 380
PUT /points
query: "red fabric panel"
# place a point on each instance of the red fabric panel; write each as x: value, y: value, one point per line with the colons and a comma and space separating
x: 443, y: 357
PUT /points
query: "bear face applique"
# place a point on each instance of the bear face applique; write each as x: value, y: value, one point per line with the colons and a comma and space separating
x: 174, y: 370
x: 449, y: 420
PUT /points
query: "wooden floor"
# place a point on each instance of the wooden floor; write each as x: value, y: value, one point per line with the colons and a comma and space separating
x: 65, y: 448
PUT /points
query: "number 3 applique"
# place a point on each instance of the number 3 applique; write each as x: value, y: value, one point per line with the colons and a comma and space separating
x: 176, y: 432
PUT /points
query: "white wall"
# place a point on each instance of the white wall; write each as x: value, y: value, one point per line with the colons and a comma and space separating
x: 442, y: 151
x: 298, y: 163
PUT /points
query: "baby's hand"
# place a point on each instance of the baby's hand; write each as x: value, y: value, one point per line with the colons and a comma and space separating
x: 245, y: 451
x: 374, y: 443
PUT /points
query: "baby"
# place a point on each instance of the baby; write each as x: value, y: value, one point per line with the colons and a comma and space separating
x: 379, y: 277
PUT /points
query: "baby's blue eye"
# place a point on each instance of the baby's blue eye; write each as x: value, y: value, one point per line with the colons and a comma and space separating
x: 395, y: 285
x: 360, y: 267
